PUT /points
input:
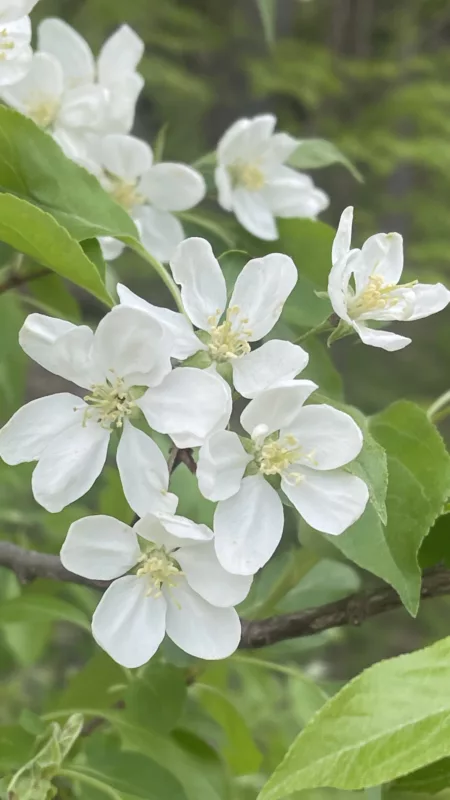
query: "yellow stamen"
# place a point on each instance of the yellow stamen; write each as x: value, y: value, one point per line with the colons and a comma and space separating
x: 160, y: 568
x: 229, y: 340
x: 110, y: 402
x: 250, y: 176
x: 376, y: 296
x: 126, y: 194
x: 276, y: 455
x: 43, y: 111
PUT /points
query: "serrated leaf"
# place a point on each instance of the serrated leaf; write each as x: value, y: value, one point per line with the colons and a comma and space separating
x: 32, y: 231
x: 314, y: 153
x: 392, y: 719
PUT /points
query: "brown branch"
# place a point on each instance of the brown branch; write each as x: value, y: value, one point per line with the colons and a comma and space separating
x: 352, y: 610
x: 12, y: 277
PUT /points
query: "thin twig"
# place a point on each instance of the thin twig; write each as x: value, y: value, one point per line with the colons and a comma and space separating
x: 12, y: 278
x: 352, y: 610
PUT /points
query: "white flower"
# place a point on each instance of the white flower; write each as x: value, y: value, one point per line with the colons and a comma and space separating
x: 149, y: 192
x: 253, y: 181
x: 15, y: 38
x: 255, y: 306
x: 375, y: 293
x: 67, y: 93
x: 69, y: 437
x: 305, y: 446
x: 179, y: 587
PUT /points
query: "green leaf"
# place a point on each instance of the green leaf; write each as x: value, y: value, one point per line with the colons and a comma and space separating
x: 41, y: 608
x: 267, y: 12
x: 37, y: 234
x: 392, y: 719
x: 13, y: 362
x: 157, y: 697
x: 321, y: 369
x: 132, y: 773
x: 54, y: 297
x: 15, y: 747
x: 429, y: 780
x: 96, y: 684
x: 325, y: 582
x: 419, y: 484
x: 436, y: 546
x: 240, y: 751
x: 313, y: 153
x: 34, y: 168
x: 112, y: 500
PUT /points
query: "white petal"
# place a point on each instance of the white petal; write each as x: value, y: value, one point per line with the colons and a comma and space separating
x: 173, y: 187
x: 209, y: 579
x: 249, y: 141
x: 343, y: 238
x: 129, y: 343
x: 15, y: 67
x: 14, y: 9
x: 229, y: 146
x: 32, y: 427
x: 329, y: 501
x: 274, y: 362
x: 70, y: 464
x: 328, y: 438
x: 144, y: 473
x: 382, y: 255
x: 121, y: 106
x: 161, y: 232
x: 276, y: 407
x: 261, y: 290
x: 200, y: 629
x: 171, y: 531
x: 100, y: 548
x: 203, y: 289
x: 384, y: 339
x: 185, y: 342
x: 190, y: 404
x: 83, y: 107
x: 111, y: 248
x: 248, y: 527
x: 290, y: 195
x: 72, y: 51
x: 120, y: 54
x: 254, y: 215
x: 128, y: 623
x: 221, y: 465
x: 125, y: 156
x: 429, y: 299
x: 279, y: 147
x: 43, y: 84
x: 338, y: 283
x: 224, y: 188
x: 59, y: 347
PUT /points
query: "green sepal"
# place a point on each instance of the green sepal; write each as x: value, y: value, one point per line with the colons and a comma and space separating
x: 343, y: 329
x: 201, y: 360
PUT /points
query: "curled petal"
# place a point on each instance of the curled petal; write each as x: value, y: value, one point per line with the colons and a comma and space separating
x: 429, y: 299
x: 383, y: 339
x: 59, y: 347
x: 100, y: 547
x: 248, y: 527
x: 129, y: 623
x: 221, y: 465
x: 343, y: 238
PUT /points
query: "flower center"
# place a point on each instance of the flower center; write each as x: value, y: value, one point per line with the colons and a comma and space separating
x: 110, y: 402
x: 159, y: 567
x: 43, y: 111
x: 228, y: 340
x: 126, y: 194
x: 250, y: 176
x: 6, y: 43
x: 274, y: 454
x: 377, y: 296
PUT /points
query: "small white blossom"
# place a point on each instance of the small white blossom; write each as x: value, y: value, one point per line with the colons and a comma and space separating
x: 178, y: 588
x: 149, y: 192
x: 15, y: 39
x: 255, y: 306
x: 364, y: 285
x: 254, y: 182
x: 125, y: 367
x: 305, y: 446
x: 69, y: 94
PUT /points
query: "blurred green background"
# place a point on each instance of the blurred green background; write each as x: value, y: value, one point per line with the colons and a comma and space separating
x: 372, y: 76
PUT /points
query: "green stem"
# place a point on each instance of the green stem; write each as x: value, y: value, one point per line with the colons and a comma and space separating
x: 163, y: 274
x: 439, y: 404
x: 89, y: 781
x: 324, y: 326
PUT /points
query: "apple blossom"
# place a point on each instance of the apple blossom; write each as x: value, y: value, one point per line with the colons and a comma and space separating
x: 178, y: 588
x: 305, y: 447
x: 255, y: 306
x: 375, y: 293
x: 15, y: 39
x: 70, y: 95
x: 125, y: 366
x: 149, y: 192
x: 254, y: 182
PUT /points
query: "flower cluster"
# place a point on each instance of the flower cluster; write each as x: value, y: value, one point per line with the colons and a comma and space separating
x: 15, y: 39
